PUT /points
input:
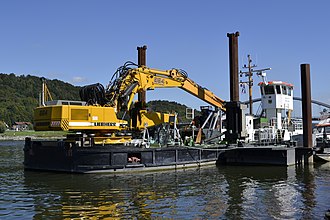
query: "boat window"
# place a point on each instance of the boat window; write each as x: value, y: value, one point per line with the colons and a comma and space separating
x: 290, y: 91
x: 278, y: 89
x: 261, y: 90
x: 298, y: 126
x: 284, y: 89
x: 269, y: 90
x: 327, y: 129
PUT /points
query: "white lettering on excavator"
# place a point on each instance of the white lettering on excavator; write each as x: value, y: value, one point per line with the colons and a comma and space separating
x: 109, y: 124
x: 104, y: 124
x: 159, y: 81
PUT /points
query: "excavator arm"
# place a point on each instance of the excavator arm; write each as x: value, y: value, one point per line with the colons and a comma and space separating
x: 132, y: 80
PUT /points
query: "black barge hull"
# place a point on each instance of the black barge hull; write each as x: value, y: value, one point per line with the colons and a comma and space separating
x: 66, y: 157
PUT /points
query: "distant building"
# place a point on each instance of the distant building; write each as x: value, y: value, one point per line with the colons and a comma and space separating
x: 21, y: 126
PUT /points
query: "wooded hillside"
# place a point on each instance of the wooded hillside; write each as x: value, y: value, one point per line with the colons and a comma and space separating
x: 19, y: 95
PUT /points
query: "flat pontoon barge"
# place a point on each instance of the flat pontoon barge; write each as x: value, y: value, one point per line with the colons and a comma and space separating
x: 68, y: 157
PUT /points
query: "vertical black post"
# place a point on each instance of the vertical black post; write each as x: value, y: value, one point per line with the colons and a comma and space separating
x: 233, y: 108
x: 306, y: 104
x: 142, y: 62
x: 233, y: 66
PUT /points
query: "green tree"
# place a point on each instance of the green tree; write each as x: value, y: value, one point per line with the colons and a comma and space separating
x: 2, y: 127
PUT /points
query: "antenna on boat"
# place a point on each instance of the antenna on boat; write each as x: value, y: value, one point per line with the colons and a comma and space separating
x: 263, y: 75
x: 249, y: 74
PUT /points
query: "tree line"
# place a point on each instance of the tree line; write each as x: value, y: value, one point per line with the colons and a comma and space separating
x: 20, y: 95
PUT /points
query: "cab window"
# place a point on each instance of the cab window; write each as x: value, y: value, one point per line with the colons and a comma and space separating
x: 269, y: 90
x: 285, y: 92
x: 278, y: 89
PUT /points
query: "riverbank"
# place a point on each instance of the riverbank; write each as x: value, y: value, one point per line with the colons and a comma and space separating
x: 21, y: 135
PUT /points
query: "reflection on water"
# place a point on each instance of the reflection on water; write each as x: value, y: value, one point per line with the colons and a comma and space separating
x: 209, y: 193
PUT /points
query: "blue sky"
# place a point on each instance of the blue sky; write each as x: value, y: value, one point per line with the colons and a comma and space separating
x: 84, y: 42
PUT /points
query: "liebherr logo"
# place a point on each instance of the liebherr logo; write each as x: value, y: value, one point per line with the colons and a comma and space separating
x: 104, y: 124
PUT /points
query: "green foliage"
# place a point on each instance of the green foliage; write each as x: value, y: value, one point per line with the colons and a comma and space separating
x: 2, y: 127
x: 20, y: 95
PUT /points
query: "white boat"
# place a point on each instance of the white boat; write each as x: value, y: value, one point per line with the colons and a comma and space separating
x: 322, y: 136
x: 275, y: 124
x: 322, y: 130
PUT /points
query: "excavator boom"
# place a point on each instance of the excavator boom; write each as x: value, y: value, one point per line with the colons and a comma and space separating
x: 133, y: 80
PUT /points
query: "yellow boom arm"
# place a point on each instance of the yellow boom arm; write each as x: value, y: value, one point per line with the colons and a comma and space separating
x: 143, y: 78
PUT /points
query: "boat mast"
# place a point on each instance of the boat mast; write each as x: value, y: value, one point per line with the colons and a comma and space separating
x: 249, y: 74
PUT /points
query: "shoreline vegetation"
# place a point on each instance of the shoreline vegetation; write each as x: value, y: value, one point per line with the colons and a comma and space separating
x: 21, y: 135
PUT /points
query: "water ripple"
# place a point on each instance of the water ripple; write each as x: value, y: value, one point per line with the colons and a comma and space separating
x: 208, y: 193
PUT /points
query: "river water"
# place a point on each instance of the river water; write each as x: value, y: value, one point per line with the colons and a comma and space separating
x: 226, y: 192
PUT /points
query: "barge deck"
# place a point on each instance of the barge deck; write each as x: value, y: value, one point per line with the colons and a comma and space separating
x: 65, y: 157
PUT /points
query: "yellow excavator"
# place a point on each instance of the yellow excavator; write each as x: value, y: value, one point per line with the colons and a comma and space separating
x: 96, y: 114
